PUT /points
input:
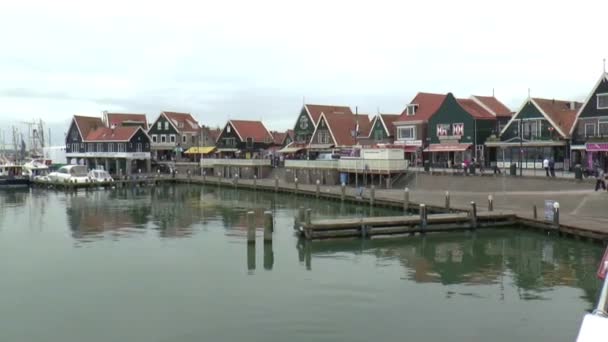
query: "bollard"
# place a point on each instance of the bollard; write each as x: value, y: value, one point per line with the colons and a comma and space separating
x: 308, y: 221
x: 406, y: 200
x: 255, y: 182
x: 490, y: 203
x: 318, y: 189
x: 372, y: 195
x: 343, y: 192
x: 250, y: 256
x: 268, y: 256
x: 276, y: 184
x: 251, y: 227
x: 447, y: 200
x: 534, y: 214
x: 423, y: 217
x: 267, y: 226
x: 218, y: 178
x: 556, y: 214
x: 473, y: 215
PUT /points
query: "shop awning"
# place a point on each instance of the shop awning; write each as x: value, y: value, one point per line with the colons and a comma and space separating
x: 533, y: 143
x: 320, y: 146
x: 596, y: 147
x: 200, y: 150
x: 578, y: 147
x: 290, y: 149
x: 447, y: 147
x: 228, y: 150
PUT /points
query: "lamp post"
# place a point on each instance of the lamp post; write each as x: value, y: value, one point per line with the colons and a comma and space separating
x: 521, y: 147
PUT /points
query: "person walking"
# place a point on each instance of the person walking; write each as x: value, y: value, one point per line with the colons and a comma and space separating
x: 552, y: 167
x: 546, y: 166
x: 599, y: 179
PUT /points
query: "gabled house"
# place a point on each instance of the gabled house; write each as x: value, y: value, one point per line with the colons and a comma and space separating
x: 309, y: 118
x: 336, y: 130
x: 117, y: 149
x: 282, y: 139
x: 539, y: 129
x: 457, y: 131
x: 124, y: 119
x: 491, y: 104
x: 382, y: 129
x: 244, y: 138
x: 590, y: 132
x: 411, y: 126
x: 173, y: 133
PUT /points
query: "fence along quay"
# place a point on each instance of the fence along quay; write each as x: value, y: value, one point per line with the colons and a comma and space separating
x: 460, y: 218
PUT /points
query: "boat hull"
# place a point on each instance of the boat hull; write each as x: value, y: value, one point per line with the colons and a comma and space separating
x: 14, y: 182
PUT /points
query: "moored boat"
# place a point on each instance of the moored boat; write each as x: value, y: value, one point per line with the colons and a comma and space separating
x: 12, y: 176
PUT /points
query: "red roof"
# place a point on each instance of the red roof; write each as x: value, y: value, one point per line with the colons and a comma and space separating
x: 86, y: 124
x: 492, y: 103
x: 212, y: 133
x: 251, y: 129
x: 316, y: 110
x: 560, y: 112
x: 121, y: 133
x: 184, y: 122
x: 278, y: 137
x: 473, y: 108
x: 119, y: 119
x: 341, y: 127
x: 428, y: 103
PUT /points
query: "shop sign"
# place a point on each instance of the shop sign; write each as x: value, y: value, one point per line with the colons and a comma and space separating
x: 413, y: 143
x: 596, y: 147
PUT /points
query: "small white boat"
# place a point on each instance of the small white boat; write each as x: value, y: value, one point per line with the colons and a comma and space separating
x: 595, y: 325
x: 100, y: 176
x: 35, y: 169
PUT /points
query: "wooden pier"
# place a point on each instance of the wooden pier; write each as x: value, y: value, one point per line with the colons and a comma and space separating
x: 121, y: 183
x: 368, y: 227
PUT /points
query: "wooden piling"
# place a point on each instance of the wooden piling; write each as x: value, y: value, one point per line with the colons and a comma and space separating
x: 267, y: 226
x: 342, y: 192
x: 473, y: 215
x: 307, y: 220
x: 268, y: 256
x: 447, y: 200
x: 372, y: 195
x: 295, y: 181
x: 276, y: 184
x: 406, y: 200
x: 318, y: 188
x: 251, y: 227
x: 423, y: 217
x: 250, y: 256
x: 255, y: 182
x: 556, y: 214
x: 301, y: 213
x: 534, y: 212
x: 490, y: 203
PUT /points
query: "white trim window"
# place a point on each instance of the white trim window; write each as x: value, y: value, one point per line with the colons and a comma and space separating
x: 154, y: 138
x: 110, y: 147
x: 121, y: 147
x: 172, y: 138
x: 590, y: 130
x: 602, y: 101
x: 166, y: 125
x: 323, y: 138
x: 163, y: 139
x: 184, y: 138
x: 406, y: 133
x: 159, y: 126
x: 411, y: 108
x: 603, y: 128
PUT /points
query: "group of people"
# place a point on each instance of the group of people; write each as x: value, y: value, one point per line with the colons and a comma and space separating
x: 549, y: 166
x: 600, y: 177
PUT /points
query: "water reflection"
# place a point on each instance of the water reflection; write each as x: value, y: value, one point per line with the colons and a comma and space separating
x: 533, y: 262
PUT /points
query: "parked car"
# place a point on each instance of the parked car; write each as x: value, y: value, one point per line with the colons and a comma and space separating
x: 99, y: 176
x: 70, y: 173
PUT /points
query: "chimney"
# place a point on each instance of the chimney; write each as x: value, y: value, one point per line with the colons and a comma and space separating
x: 572, y: 105
x: 113, y: 126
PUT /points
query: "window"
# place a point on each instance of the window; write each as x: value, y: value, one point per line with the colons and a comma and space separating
x: 589, y: 130
x: 154, y: 138
x: 172, y: 138
x: 159, y: 126
x: 184, y: 138
x: 323, y: 138
x: 531, y: 129
x: 228, y: 129
x: 110, y: 147
x: 90, y: 147
x: 99, y: 147
x: 378, y: 135
x: 229, y: 141
x: 249, y: 142
x: 166, y: 125
x: 603, y: 128
x: 411, y: 109
x: 193, y: 138
x: 163, y: 138
x: 121, y: 147
x: 75, y: 147
x: 406, y: 133
x: 602, y: 101
x: 139, y: 147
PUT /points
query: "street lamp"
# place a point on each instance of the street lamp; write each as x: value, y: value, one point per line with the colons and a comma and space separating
x: 521, y: 147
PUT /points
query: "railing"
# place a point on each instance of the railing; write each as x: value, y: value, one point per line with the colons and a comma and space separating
x: 353, y: 165
x: 210, y: 162
x: 311, y: 164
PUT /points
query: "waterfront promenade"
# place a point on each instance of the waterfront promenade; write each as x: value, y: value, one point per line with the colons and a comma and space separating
x: 581, y: 207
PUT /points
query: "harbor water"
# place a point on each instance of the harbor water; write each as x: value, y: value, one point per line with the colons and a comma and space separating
x: 173, y: 264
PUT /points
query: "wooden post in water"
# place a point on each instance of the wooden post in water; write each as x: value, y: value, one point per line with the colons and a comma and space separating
x: 534, y: 214
x: 255, y: 182
x: 447, y: 200
x: 473, y: 215
x: 250, y: 227
x: 490, y: 203
x: 318, y: 188
x: 556, y: 214
x: 308, y: 221
x: 406, y: 200
x: 300, y: 217
x: 204, y: 176
x: 423, y: 217
x: 343, y: 192
x: 236, y: 181
x: 268, y: 226
x: 372, y: 195
x: 268, y: 256
x: 218, y: 178
x: 250, y: 256
x: 276, y: 184
x: 295, y: 181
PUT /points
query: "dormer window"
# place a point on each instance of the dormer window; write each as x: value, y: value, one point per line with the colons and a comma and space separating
x: 602, y: 101
x: 411, y: 109
x: 228, y: 129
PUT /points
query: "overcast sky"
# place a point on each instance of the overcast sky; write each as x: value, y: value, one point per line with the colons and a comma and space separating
x: 259, y: 59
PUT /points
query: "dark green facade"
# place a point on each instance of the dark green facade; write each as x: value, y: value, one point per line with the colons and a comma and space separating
x: 165, y: 127
x: 378, y: 132
x: 304, y: 127
x: 449, y: 113
x: 526, y: 115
